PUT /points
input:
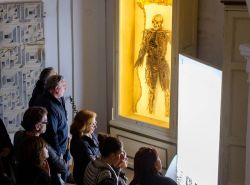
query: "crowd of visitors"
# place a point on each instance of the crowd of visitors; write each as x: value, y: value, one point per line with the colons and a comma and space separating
x: 41, y: 150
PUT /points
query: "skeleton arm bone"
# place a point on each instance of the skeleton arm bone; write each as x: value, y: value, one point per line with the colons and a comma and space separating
x: 140, y: 58
x: 142, y: 51
x: 169, y: 34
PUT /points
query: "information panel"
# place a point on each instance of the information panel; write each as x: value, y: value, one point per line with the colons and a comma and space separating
x: 199, y: 104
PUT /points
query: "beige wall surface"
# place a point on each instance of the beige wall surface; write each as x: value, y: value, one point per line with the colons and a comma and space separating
x: 210, y: 31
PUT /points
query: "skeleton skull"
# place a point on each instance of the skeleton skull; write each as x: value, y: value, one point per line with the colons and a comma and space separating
x: 157, y: 22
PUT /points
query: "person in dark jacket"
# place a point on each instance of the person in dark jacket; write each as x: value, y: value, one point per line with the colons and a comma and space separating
x: 57, y: 129
x: 52, y: 99
x: 6, y: 148
x: 147, y: 168
x: 106, y: 169
x: 84, y: 144
x: 35, y: 122
x: 39, y: 87
x: 33, y: 167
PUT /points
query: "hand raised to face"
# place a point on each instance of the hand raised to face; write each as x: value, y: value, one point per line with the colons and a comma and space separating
x: 122, y: 161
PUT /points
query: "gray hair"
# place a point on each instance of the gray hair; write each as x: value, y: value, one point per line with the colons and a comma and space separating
x: 53, y: 81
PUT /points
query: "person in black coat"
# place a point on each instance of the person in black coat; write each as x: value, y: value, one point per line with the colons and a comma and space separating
x: 6, y: 148
x: 52, y: 99
x: 147, y: 168
x: 39, y: 87
x: 84, y: 144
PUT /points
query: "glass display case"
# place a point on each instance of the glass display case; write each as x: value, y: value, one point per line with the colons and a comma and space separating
x: 149, y: 35
x: 145, y: 55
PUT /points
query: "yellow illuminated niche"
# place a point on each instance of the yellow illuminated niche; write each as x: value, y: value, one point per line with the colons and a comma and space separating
x: 145, y: 31
x: 142, y: 3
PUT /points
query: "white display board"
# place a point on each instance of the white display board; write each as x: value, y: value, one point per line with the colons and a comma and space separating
x: 199, y: 105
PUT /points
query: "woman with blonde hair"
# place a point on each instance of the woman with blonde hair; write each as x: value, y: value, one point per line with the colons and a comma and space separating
x: 84, y: 144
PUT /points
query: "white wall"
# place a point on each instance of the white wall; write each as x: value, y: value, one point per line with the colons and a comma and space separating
x: 51, y: 33
x: 58, y: 42
x: 110, y: 50
x: 75, y: 45
x: 90, y: 71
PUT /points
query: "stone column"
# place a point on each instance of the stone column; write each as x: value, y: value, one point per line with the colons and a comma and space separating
x: 245, y: 51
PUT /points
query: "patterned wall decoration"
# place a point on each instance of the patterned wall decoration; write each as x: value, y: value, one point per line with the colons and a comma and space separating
x: 21, y: 58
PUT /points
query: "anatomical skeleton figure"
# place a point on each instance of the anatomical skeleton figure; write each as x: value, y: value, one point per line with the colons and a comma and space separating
x: 154, y: 44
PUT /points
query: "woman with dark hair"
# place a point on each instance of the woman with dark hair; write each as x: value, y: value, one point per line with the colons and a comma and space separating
x: 35, y: 124
x: 33, y: 167
x: 39, y: 87
x: 84, y: 144
x: 106, y: 169
x: 147, y: 168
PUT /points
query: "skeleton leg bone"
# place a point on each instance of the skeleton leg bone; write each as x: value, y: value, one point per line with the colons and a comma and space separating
x: 167, y: 103
x: 151, y: 98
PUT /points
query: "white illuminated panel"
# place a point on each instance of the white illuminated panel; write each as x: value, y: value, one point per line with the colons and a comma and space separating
x: 199, y: 103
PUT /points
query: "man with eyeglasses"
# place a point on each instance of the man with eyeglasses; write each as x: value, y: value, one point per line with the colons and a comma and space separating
x: 57, y: 129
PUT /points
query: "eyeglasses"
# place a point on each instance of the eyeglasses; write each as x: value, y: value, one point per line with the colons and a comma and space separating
x: 44, y: 122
